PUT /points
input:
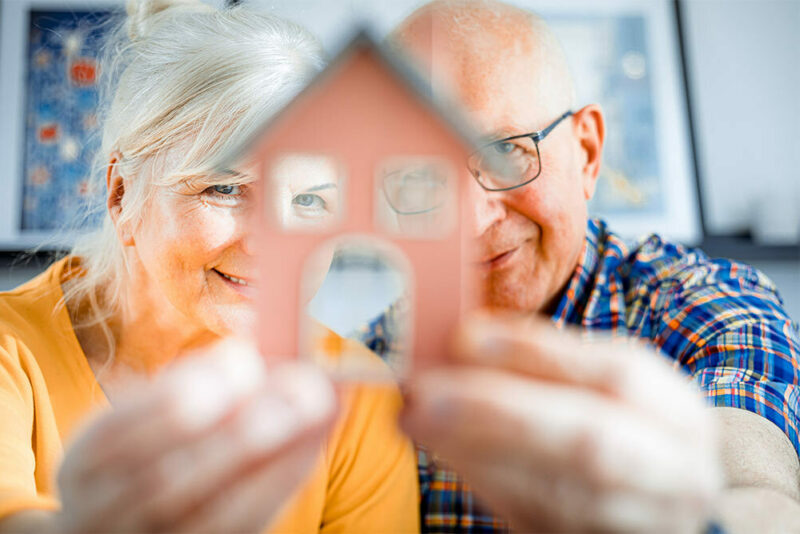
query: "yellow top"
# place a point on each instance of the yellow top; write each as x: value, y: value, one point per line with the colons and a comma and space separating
x: 364, y: 481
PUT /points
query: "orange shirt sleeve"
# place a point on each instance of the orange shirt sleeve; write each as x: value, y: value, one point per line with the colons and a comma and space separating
x: 25, y: 483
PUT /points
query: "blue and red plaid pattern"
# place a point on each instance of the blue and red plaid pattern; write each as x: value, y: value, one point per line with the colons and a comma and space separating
x: 720, y: 322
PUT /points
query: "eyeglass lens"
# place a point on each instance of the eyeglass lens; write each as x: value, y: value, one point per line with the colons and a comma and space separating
x: 415, y: 190
x: 505, y: 164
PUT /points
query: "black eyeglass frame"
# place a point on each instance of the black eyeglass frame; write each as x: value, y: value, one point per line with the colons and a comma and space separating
x: 536, y: 137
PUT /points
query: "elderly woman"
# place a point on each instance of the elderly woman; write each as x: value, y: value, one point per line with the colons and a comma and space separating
x: 213, y: 443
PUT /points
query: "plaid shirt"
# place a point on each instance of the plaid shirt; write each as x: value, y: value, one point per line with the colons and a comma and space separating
x: 719, y: 321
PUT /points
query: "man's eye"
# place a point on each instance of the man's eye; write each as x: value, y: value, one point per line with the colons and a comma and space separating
x: 227, y: 190
x: 308, y: 200
x: 503, y: 148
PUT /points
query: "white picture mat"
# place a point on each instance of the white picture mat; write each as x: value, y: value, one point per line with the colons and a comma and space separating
x: 14, y: 17
x: 681, y: 218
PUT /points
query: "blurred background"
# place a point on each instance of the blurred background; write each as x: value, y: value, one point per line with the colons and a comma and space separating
x: 700, y: 96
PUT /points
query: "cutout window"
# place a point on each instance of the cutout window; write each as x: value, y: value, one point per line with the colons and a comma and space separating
x: 363, y: 300
x: 307, y: 192
x: 415, y: 197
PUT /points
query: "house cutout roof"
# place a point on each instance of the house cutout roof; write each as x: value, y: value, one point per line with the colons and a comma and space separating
x: 400, y: 69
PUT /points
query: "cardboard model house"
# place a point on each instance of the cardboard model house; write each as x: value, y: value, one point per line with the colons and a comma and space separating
x: 362, y: 155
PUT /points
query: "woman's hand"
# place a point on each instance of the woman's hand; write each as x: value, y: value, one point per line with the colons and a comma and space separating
x: 215, y: 444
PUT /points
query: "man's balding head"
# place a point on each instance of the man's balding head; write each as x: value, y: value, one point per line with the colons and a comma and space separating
x: 459, y: 43
x: 509, y: 73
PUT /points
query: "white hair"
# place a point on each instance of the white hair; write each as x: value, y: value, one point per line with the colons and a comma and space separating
x: 178, y: 72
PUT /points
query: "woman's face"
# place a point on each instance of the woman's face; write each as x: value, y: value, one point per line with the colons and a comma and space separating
x: 195, y: 249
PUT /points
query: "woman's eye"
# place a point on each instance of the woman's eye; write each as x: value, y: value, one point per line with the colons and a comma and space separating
x: 227, y: 190
x: 309, y: 201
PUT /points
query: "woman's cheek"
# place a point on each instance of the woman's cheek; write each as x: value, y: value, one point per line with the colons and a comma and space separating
x: 218, y: 226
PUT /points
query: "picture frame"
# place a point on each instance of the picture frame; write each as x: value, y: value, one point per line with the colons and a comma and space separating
x: 648, y: 155
x: 39, y: 113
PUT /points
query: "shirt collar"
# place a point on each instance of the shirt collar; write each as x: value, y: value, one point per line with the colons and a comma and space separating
x: 576, y: 295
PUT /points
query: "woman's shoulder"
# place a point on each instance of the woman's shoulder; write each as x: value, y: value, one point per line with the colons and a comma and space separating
x: 33, y: 318
x: 35, y: 302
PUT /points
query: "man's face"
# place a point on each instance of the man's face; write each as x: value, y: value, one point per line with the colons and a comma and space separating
x: 528, y: 239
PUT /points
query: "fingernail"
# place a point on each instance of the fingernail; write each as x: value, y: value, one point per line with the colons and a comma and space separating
x: 441, y: 406
x: 307, y: 389
x: 299, y: 396
x: 267, y: 423
x: 240, y: 365
x: 206, y: 388
x: 199, y: 398
x: 434, y: 408
x: 487, y: 344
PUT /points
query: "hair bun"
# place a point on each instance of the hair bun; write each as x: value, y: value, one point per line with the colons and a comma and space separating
x: 141, y: 13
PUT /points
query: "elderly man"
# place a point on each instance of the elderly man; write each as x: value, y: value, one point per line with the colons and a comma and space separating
x: 551, y: 430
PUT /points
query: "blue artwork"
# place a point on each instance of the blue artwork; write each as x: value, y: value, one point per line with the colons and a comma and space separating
x: 61, y: 126
x: 611, y: 64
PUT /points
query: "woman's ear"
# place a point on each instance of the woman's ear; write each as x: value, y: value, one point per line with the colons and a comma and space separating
x: 115, y: 191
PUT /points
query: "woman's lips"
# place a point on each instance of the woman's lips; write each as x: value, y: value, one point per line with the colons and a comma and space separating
x: 235, y: 279
x: 242, y: 286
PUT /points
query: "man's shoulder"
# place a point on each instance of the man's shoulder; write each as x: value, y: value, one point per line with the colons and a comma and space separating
x: 662, y: 280
x: 657, y: 264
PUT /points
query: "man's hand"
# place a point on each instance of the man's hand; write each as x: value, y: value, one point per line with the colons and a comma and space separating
x: 558, y: 434
x: 216, y: 444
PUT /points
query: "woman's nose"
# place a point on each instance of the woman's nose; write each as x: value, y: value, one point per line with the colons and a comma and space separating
x: 249, y: 242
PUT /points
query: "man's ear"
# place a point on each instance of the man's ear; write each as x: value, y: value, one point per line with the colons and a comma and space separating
x: 115, y: 191
x: 590, y: 129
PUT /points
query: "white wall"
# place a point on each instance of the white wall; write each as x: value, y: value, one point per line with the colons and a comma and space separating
x: 744, y: 58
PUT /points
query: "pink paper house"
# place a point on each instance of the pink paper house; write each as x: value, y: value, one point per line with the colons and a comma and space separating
x: 395, y: 161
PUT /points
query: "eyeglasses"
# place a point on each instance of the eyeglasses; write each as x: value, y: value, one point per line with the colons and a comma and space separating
x: 511, y: 162
x: 414, y: 188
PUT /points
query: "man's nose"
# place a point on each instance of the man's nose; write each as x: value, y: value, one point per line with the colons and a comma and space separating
x: 487, y: 208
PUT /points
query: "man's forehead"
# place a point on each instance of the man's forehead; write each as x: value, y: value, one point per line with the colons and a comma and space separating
x: 502, y: 91
x: 491, y: 58
x: 437, y: 39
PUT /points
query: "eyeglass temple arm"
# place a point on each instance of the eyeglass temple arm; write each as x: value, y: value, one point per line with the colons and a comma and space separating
x: 542, y: 134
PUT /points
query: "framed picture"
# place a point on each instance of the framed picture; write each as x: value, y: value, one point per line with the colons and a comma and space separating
x: 625, y: 55
x: 49, y: 56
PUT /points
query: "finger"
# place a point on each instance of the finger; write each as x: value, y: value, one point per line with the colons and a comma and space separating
x: 99, y: 466
x: 192, y: 396
x: 296, y: 408
x: 473, y: 416
x: 619, y: 368
x: 557, y: 503
x: 533, y: 346
x: 247, y: 502
x: 256, y: 499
